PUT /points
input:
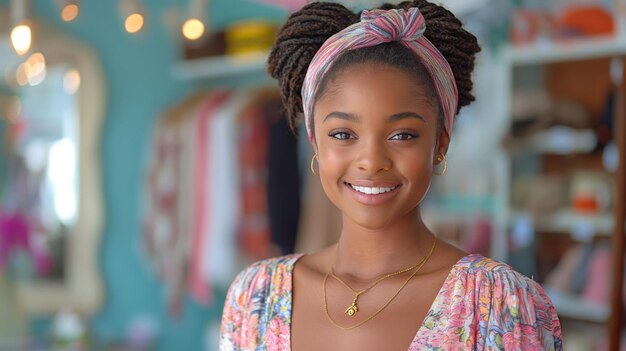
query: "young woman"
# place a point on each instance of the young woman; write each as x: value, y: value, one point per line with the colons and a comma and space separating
x: 379, y: 92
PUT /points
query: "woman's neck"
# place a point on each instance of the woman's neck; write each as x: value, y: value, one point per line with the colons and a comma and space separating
x: 364, y: 254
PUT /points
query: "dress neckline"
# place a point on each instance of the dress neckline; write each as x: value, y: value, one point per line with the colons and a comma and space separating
x: 462, y: 262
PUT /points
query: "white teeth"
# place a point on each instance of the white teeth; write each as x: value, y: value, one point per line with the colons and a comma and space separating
x: 372, y: 191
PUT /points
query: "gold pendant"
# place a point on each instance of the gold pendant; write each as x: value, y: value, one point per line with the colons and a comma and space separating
x: 350, y: 311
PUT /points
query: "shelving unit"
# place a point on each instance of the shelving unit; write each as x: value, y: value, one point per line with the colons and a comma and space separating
x: 219, y: 67
x: 512, y: 58
x: 564, y: 221
x: 574, y: 307
x: 573, y: 50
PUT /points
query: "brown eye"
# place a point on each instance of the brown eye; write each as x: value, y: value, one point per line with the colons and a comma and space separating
x: 341, y: 135
x: 403, y: 136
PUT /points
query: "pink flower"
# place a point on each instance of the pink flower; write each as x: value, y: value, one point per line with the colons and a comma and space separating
x: 277, y: 335
x: 522, y: 337
x: 249, y: 333
x: 511, y: 340
x: 529, y: 339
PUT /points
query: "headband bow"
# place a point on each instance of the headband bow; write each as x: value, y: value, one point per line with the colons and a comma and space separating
x: 377, y: 27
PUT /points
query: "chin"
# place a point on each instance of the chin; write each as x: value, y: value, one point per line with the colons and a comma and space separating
x: 371, y: 221
x: 381, y: 218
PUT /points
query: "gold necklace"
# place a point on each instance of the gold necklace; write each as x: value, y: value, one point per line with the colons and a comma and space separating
x: 354, y: 306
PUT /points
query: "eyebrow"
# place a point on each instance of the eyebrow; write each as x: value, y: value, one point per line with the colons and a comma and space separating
x: 403, y: 115
x: 343, y: 115
x: 355, y: 118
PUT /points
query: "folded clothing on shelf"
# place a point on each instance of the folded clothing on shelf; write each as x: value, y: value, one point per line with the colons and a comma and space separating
x: 530, y: 26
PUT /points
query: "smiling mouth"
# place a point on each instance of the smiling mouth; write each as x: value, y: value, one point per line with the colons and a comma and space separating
x: 372, y: 190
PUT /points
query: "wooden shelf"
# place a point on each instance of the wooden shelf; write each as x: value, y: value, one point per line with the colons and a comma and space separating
x: 570, y: 50
x: 566, y: 221
x: 559, y: 164
x: 220, y: 67
x: 574, y: 307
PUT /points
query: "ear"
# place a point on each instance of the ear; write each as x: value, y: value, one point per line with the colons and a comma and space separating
x: 443, y: 142
x: 314, y: 146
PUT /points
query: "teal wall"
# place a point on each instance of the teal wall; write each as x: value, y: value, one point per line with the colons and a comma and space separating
x: 139, y: 86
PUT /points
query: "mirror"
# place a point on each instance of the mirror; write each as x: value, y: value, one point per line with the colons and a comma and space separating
x: 51, y: 213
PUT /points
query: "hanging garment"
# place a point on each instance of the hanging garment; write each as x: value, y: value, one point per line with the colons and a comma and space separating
x: 202, y: 175
x: 166, y: 228
x: 562, y: 276
x: 254, y: 232
x: 283, y: 179
x: 220, y: 256
x: 161, y: 196
x: 207, y: 200
x: 599, y: 277
x: 577, y: 284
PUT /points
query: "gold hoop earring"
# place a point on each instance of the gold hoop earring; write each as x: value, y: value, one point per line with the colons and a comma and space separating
x: 445, y: 165
x: 313, y: 168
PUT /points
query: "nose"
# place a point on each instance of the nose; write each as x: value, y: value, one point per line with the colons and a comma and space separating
x: 373, y: 157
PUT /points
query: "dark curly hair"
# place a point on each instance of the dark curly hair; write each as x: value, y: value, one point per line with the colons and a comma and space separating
x: 306, y: 30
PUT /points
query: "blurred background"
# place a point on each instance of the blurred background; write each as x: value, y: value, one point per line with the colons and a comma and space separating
x: 146, y: 160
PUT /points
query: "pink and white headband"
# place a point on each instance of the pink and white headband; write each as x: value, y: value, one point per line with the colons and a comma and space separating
x: 377, y: 27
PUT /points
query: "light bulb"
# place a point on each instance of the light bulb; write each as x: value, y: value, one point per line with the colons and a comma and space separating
x: 21, y: 77
x: 134, y: 23
x: 38, y: 76
x: 21, y: 38
x: 35, y: 69
x: 69, y: 12
x: 193, y: 29
x: 71, y: 81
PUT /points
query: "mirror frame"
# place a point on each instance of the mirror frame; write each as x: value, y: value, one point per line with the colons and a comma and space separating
x: 81, y: 290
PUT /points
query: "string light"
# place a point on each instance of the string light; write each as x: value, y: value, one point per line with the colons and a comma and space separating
x: 21, y: 34
x: 133, y: 23
x: 70, y: 10
x: 71, y: 81
x: 21, y: 38
x: 32, y: 71
x: 36, y: 68
x: 194, y: 27
x: 21, y: 77
x: 132, y: 13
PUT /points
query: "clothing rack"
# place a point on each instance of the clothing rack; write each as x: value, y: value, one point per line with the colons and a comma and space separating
x: 619, y: 241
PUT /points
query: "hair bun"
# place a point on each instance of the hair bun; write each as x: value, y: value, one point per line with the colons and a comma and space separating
x: 297, y: 43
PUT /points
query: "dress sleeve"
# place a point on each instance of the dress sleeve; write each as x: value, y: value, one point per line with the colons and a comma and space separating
x: 233, y: 314
x: 522, y: 316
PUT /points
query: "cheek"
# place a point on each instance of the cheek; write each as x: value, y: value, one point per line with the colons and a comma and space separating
x: 419, y: 183
x: 334, y: 162
x: 332, y: 170
x: 417, y: 167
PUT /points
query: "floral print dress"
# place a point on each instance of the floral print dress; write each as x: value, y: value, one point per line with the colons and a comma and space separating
x: 482, y: 305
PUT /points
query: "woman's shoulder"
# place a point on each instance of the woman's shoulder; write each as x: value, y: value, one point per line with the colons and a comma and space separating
x: 491, y: 271
x: 495, y: 276
x: 273, y: 262
x: 507, y: 294
x: 486, y: 302
x: 263, y: 273
x: 474, y: 263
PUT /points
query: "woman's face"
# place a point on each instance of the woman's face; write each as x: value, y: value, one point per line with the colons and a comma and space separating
x: 376, y: 137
